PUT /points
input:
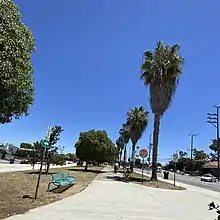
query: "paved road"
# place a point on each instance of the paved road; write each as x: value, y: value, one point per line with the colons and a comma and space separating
x: 193, y: 181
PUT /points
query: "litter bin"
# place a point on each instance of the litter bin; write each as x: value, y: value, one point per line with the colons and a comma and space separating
x: 166, y: 175
x: 11, y: 161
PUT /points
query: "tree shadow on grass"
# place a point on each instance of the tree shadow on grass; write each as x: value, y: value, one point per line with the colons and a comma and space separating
x: 87, y: 171
x: 37, y: 172
x: 139, y: 179
x: 114, y: 178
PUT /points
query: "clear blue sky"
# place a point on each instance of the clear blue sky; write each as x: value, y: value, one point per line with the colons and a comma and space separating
x: 87, y: 68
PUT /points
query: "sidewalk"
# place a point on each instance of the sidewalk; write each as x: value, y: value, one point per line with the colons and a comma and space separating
x: 113, y: 200
x: 4, y: 168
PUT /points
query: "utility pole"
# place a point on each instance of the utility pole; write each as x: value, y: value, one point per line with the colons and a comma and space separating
x: 191, y: 148
x: 214, y: 120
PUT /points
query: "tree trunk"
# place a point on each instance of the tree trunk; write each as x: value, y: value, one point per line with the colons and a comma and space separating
x: 48, y: 167
x: 86, y: 167
x: 125, y: 152
x: 155, y: 146
x: 132, y: 157
x: 120, y: 156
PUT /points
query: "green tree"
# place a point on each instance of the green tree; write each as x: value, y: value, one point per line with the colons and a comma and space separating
x: 137, y: 120
x: 58, y: 159
x: 16, y: 71
x: 54, y: 138
x: 95, y: 146
x: 161, y: 70
x: 199, y: 155
x: 214, y: 146
x: 71, y: 156
x: 26, y: 145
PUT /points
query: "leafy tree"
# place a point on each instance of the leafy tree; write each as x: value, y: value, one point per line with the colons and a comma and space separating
x: 199, y: 155
x: 71, y: 157
x: 161, y: 70
x: 54, y: 138
x: 95, y: 146
x: 213, y: 147
x: 182, y: 154
x: 58, y: 159
x: 137, y: 120
x: 26, y: 146
x: 16, y: 71
x: 12, y: 149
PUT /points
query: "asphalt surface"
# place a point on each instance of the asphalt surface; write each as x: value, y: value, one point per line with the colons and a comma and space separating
x: 191, y: 180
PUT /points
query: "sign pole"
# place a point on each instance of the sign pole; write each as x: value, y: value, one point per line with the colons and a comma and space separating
x: 174, y: 175
x: 175, y: 160
x: 142, y: 170
x: 45, y: 145
x: 39, y: 176
x: 143, y: 154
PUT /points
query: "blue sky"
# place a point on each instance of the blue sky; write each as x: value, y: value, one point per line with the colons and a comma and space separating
x: 87, y: 68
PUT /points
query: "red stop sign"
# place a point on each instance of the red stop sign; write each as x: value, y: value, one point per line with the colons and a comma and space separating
x: 143, y: 153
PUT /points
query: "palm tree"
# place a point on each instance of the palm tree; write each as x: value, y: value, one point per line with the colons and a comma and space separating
x: 120, y: 147
x: 137, y: 120
x: 161, y: 70
x: 125, y: 134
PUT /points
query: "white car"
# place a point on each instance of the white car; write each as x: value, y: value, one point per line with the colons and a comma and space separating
x: 208, y: 178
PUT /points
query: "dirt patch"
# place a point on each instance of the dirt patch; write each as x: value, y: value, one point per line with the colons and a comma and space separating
x: 137, y: 178
x: 17, y: 189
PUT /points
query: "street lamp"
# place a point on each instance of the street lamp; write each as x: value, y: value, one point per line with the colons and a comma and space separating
x: 191, y: 148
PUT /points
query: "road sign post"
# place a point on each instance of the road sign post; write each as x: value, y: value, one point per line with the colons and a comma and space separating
x: 45, y: 145
x: 143, y: 154
x: 175, y: 160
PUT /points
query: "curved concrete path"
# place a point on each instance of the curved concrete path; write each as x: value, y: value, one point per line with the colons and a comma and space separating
x: 107, y: 199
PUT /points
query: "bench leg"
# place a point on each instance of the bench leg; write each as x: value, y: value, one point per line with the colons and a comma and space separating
x: 48, y: 188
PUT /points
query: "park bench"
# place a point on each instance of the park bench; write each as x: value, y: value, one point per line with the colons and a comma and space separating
x: 61, y: 180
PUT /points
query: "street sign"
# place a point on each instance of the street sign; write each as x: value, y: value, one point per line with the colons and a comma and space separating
x: 143, y: 153
x: 175, y: 158
x: 45, y: 143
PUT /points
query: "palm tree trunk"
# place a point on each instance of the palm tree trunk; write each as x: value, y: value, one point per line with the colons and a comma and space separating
x: 132, y: 157
x: 125, y: 152
x: 155, y: 146
x: 120, y: 157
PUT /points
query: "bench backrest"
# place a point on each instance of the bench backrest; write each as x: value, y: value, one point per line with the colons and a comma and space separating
x: 57, y: 176
x: 65, y: 174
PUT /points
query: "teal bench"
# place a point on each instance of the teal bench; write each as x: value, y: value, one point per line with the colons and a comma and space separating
x: 61, y: 180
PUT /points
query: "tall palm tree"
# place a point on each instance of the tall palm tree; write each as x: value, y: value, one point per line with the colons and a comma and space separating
x: 120, y: 147
x: 161, y: 70
x: 125, y: 134
x: 137, y: 120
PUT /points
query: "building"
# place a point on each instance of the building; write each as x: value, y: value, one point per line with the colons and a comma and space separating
x: 211, y: 167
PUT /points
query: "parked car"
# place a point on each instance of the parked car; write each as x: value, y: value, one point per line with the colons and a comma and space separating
x: 208, y: 178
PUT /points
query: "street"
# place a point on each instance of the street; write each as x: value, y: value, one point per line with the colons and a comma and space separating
x: 190, y: 180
